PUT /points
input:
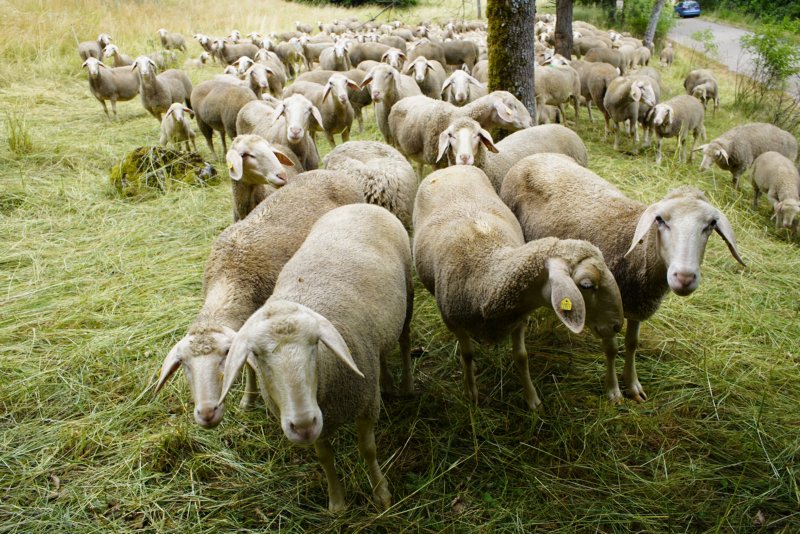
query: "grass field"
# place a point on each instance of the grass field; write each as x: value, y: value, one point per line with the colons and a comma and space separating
x: 94, y: 290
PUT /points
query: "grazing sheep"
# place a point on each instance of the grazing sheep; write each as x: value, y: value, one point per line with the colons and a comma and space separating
x: 160, y: 91
x: 466, y: 143
x: 87, y: 49
x: 460, y: 89
x: 120, y: 59
x: 114, y: 84
x: 736, y: 149
x: 677, y: 117
x: 625, y: 99
x: 319, y: 346
x: 606, y: 55
x: 335, y: 57
x: 171, y: 41
x: 303, y: 27
x: 641, y: 56
x: 385, y: 175
x: 702, y: 85
x: 394, y: 41
x: 650, y: 249
x: 163, y: 58
x: 428, y: 49
x: 262, y: 243
x: 417, y: 122
x: 598, y: 78
x: 293, y: 120
x: 667, y: 56
x: 216, y: 106
x: 198, y: 62
x: 776, y: 175
x: 470, y: 253
x: 291, y: 55
x: 387, y: 87
x: 228, y: 53
x: 429, y: 75
x: 557, y: 85
x: 461, y: 52
x: 582, y: 45
x: 257, y: 169
x: 176, y: 127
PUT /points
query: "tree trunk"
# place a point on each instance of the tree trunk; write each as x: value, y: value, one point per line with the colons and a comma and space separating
x: 564, y: 28
x: 510, y: 41
x: 650, y: 33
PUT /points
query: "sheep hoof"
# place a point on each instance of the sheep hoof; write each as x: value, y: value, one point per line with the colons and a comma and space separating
x: 614, y: 396
x: 382, y: 496
x: 636, y: 392
x: 336, y: 507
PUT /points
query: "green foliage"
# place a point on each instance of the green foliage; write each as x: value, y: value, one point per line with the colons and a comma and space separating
x: 146, y: 171
x: 765, y: 9
x: 636, y: 15
x: 18, y: 132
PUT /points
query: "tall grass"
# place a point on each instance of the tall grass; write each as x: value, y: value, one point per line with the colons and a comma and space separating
x: 95, y: 289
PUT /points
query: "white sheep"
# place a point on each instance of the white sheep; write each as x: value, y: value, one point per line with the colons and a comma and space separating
x: 216, y: 104
x: 176, y: 127
x: 625, y: 100
x: 387, y: 87
x: 120, y: 59
x: 429, y: 75
x: 650, y: 249
x: 262, y: 243
x: 319, y: 342
x: 470, y: 253
x: 778, y: 177
x: 702, y: 84
x: 292, y: 122
x: 87, y: 49
x: 171, y: 41
x: 678, y: 117
x: 160, y: 91
x: 460, y: 88
x: 114, y: 84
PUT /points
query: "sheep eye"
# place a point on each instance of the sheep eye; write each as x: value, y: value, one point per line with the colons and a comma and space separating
x: 660, y: 221
x: 587, y: 284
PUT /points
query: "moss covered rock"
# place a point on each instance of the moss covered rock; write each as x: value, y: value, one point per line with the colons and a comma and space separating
x: 152, y: 170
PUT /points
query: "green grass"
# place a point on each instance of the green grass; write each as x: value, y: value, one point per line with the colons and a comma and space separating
x: 94, y: 290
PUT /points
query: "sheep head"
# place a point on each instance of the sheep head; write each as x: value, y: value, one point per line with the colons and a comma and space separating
x: 663, y: 114
x: 252, y: 160
x: 298, y: 112
x: 339, y: 84
x: 715, y: 152
x: 785, y: 213
x: 462, y: 140
x: 93, y: 65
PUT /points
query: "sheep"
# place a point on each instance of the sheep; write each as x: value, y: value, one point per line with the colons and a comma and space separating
x: 258, y: 77
x: 216, y: 106
x: 293, y: 119
x: 470, y: 253
x: 702, y: 85
x: 171, y: 41
x: 460, y: 89
x: 206, y: 43
x: 363, y: 51
x: 677, y: 117
x: 257, y: 169
x: 276, y: 74
x: 776, y: 175
x: 641, y: 56
x: 321, y: 358
x: 428, y: 49
x: 312, y: 50
x: 336, y: 110
x: 394, y: 57
x: 429, y: 75
x: 481, y: 71
x: 335, y: 57
x: 667, y: 55
x: 228, y: 53
x: 554, y: 196
x: 198, y: 62
x: 628, y: 53
x: 387, y: 178
x: 114, y: 84
x: 359, y: 98
x: 417, y: 122
x: 163, y: 58
x: 120, y: 59
x: 387, y: 87
x: 394, y: 41
x: 303, y: 27
x: 291, y: 55
x: 160, y: 91
x: 256, y: 113
x: 624, y: 101
x: 176, y: 126
x: 87, y: 49
x: 557, y: 85
x: 606, y: 55
x: 736, y: 149
x: 464, y: 142
x: 582, y: 45
x: 262, y: 243
x: 461, y: 53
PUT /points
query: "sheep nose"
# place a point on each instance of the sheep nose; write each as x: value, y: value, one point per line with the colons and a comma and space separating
x: 304, y: 429
x: 685, y: 279
x: 465, y: 159
x: 208, y: 415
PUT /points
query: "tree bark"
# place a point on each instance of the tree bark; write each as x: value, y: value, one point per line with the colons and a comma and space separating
x: 510, y: 41
x: 563, y: 33
x: 650, y: 32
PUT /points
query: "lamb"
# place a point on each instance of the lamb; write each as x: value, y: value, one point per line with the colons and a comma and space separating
x: 320, y: 358
x: 417, y: 122
x: 387, y: 178
x: 470, y: 253
x: 257, y: 169
x: 557, y: 85
x: 387, y: 87
x: 466, y: 143
x: 87, y: 49
x: 262, y: 244
x: 736, y: 149
x: 429, y: 75
x: 216, y: 106
x: 702, y: 85
x: 460, y: 89
x: 291, y: 55
x: 335, y: 57
x: 624, y: 101
x: 176, y: 126
x: 120, y: 59
x: 677, y: 117
x: 667, y: 55
x: 114, y: 84
x: 160, y: 91
x: 171, y: 41
x: 649, y: 249
x: 292, y: 122
x: 777, y: 176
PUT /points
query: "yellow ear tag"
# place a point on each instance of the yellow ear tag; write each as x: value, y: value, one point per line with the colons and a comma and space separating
x: 566, y: 304
x: 230, y: 165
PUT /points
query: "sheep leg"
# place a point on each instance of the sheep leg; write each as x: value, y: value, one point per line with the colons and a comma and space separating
x: 576, y: 102
x: 387, y: 384
x: 224, y: 143
x: 366, y: 446
x: 113, y: 107
x: 346, y: 135
x: 468, y: 366
x: 359, y: 118
x: 612, y: 386
x: 629, y: 375
x: 589, y: 107
x: 563, y: 113
x: 329, y: 137
x: 103, y: 102
x: 336, y: 502
x: 736, y: 175
x: 250, y: 388
x: 756, y: 195
x: 659, y: 140
x: 616, y: 135
x: 407, y: 384
x: 523, y: 372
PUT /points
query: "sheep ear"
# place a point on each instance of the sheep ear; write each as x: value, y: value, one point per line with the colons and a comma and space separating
x: 84, y: 63
x: 326, y: 91
x: 283, y: 158
x: 446, y: 84
x: 722, y: 152
x: 725, y: 230
x: 444, y: 144
x: 636, y: 93
x: 171, y: 363
x: 235, y: 164
x: 474, y: 81
x: 368, y: 78
x: 316, y: 114
x: 503, y: 111
x: 189, y: 111
x: 383, y: 57
x: 700, y: 148
x: 333, y: 340
x: 486, y: 139
x: 238, y: 354
x: 279, y: 111
x: 646, y: 221
x: 401, y: 56
x: 565, y: 297
x: 351, y: 84
x: 169, y: 112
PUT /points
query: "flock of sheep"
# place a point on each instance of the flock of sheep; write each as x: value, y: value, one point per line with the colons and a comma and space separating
x: 312, y: 287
